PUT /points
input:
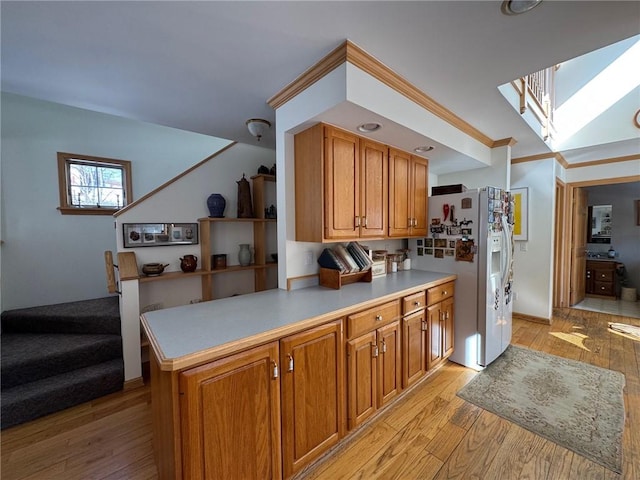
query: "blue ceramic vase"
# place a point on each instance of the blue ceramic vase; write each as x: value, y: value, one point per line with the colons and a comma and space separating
x: 216, y: 205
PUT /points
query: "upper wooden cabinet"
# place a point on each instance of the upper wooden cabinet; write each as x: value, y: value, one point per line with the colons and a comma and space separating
x: 341, y: 186
x: 408, y: 194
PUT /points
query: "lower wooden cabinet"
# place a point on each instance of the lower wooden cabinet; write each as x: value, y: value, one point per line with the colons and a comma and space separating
x: 312, y: 385
x: 269, y: 411
x: 230, y: 417
x: 440, y: 332
x: 373, y: 372
x: 414, y: 342
x: 601, y: 278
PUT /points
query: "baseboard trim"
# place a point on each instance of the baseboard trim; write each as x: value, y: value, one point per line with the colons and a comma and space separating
x: 531, y: 318
x: 134, y: 383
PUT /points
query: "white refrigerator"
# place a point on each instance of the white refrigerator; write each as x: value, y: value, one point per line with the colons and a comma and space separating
x: 471, y: 235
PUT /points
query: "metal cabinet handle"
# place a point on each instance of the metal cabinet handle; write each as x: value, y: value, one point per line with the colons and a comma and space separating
x: 384, y: 347
x: 357, y: 221
x: 417, y: 304
x: 374, y: 351
x: 424, y: 326
x: 290, y: 369
x: 378, y: 318
x: 275, y: 369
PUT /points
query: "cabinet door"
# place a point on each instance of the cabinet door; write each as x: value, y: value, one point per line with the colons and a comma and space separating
x: 373, y: 189
x: 313, y: 401
x: 362, y: 356
x: 420, y: 196
x: 342, y: 190
x: 589, y: 283
x: 400, y: 217
x: 230, y: 417
x: 434, y: 321
x: 447, y: 327
x: 389, y: 363
x: 413, y: 348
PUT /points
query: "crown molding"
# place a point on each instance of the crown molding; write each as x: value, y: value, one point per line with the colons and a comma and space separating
x: 350, y: 52
x: 503, y: 142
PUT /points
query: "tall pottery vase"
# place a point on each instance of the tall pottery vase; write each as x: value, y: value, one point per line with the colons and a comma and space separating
x: 244, y: 254
x: 216, y: 205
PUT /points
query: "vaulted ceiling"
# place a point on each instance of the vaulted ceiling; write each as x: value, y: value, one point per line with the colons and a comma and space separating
x: 208, y: 66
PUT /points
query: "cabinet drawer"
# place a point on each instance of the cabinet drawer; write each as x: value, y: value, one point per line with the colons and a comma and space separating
x: 413, y: 303
x: 603, y: 288
x: 372, y: 318
x: 439, y: 293
x: 604, y: 276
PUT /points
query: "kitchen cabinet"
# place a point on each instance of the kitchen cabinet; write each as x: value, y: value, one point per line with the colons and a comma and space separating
x: 230, y: 417
x: 414, y: 343
x: 341, y: 182
x: 373, y: 361
x: 601, y: 276
x: 259, y: 225
x: 408, y: 194
x: 265, y: 402
x: 312, y: 386
x: 440, y: 318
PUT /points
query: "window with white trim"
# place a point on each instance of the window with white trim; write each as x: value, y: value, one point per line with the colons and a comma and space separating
x: 93, y: 185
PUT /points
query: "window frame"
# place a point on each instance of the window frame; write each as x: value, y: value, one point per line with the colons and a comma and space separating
x: 63, y: 183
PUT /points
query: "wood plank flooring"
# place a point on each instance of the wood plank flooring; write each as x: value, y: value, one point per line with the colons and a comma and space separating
x: 428, y: 434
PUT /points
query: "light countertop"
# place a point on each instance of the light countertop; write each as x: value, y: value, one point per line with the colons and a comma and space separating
x: 191, y: 334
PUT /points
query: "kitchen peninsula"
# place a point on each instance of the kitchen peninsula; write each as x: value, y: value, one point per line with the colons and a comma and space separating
x: 260, y: 385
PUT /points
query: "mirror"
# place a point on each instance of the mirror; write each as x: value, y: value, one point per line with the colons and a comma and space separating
x: 599, y: 224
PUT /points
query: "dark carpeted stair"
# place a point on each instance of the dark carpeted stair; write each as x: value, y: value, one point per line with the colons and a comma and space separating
x: 57, y: 356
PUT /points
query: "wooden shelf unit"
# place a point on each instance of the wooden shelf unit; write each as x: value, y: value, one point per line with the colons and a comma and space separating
x: 259, y: 239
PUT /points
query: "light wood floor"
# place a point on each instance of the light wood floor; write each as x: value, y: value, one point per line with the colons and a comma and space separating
x: 430, y: 433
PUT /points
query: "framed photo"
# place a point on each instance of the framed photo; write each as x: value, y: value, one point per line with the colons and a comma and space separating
x: 440, y: 243
x: 520, y: 213
x: 428, y: 251
x: 159, y: 234
x: 428, y: 242
x: 438, y: 253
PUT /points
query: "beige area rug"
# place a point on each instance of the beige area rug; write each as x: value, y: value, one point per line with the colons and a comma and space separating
x: 574, y: 404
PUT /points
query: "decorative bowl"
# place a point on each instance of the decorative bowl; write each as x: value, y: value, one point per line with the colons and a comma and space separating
x: 153, y: 268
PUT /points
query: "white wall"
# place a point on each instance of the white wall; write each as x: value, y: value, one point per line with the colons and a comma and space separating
x: 533, y: 259
x: 496, y: 175
x: 184, y: 201
x: 48, y: 257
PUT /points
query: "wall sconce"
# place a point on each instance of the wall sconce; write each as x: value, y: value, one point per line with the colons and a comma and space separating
x: 257, y: 127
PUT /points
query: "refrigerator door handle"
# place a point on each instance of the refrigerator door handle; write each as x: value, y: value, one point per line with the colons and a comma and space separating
x: 508, y: 246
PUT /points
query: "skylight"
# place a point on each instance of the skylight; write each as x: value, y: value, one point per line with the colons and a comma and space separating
x: 604, y: 90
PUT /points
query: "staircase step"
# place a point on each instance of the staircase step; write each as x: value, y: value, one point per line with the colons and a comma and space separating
x: 99, y: 315
x: 35, y: 399
x: 28, y: 357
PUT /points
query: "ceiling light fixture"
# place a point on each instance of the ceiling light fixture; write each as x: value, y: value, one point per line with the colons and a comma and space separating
x: 424, y: 149
x: 257, y: 127
x: 516, y: 7
x: 369, y: 127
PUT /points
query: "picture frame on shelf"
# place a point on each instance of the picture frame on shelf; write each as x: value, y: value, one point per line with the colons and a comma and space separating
x: 159, y: 234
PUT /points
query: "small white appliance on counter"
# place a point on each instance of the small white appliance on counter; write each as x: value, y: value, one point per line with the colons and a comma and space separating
x: 472, y: 236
